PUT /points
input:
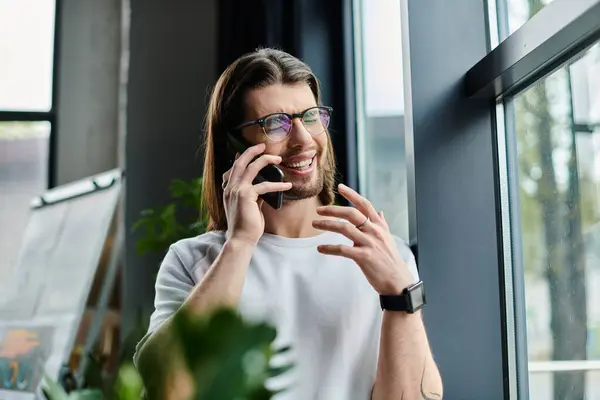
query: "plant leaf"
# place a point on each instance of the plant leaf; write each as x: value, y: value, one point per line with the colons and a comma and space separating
x: 53, y: 390
x: 86, y: 394
x: 129, y: 384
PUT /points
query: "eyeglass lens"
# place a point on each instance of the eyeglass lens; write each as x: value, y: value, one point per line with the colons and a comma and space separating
x: 315, y: 120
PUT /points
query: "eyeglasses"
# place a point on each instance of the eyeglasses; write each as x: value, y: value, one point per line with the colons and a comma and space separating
x: 277, y: 126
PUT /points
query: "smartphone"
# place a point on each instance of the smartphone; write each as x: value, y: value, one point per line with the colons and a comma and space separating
x: 270, y: 173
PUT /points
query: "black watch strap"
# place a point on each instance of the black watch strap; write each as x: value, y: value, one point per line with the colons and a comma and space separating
x: 411, y: 300
x: 394, y: 302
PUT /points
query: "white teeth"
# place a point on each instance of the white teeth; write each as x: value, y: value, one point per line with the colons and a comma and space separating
x: 300, y: 164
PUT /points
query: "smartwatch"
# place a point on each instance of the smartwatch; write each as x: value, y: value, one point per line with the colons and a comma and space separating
x: 411, y: 300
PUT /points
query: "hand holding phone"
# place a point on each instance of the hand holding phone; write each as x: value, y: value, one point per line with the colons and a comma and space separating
x: 241, y: 196
x: 270, y: 173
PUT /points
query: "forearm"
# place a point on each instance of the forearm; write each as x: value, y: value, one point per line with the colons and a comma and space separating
x: 160, y: 362
x: 406, y: 369
x: 223, y: 283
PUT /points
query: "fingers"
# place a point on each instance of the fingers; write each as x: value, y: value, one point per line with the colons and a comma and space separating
x: 227, y: 174
x: 255, y: 166
x: 383, y: 219
x: 350, y: 214
x: 343, y: 228
x: 226, y: 178
x: 268, y: 187
x: 240, y: 165
x: 361, y: 203
x: 253, y: 170
x: 352, y: 253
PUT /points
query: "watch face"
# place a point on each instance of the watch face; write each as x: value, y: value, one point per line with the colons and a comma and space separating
x: 417, y: 297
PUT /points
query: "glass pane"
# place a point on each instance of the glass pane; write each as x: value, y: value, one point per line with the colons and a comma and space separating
x: 520, y: 11
x: 544, y: 381
x: 23, y: 174
x: 381, y: 110
x: 558, y: 140
x: 506, y: 16
x: 27, y: 46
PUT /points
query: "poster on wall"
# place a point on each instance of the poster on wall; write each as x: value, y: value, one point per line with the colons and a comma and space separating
x: 28, y: 350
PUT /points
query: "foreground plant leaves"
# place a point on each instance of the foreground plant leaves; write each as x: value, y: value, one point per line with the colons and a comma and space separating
x: 228, y: 358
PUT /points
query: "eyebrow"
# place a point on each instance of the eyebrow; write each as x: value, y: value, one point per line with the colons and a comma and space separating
x: 279, y: 110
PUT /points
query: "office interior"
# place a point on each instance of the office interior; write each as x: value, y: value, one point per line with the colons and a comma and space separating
x: 473, y: 124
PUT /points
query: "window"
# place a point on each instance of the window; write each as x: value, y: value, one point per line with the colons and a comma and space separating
x: 380, y: 103
x: 557, y: 124
x: 26, y: 116
x: 519, y: 11
x: 507, y: 216
x: 26, y: 45
x: 512, y: 14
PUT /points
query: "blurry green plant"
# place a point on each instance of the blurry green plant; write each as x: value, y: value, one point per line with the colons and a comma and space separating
x: 128, y: 386
x: 228, y: 358
x: 163, y: 226
x: 125, y: 384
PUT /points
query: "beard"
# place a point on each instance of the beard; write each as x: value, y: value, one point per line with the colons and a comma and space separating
x: 306, y: 187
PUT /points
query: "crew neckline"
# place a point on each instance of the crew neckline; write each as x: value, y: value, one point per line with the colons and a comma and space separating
x: 282, y: 241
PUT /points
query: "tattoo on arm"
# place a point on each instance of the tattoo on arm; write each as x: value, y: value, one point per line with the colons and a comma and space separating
x: 429, y: 395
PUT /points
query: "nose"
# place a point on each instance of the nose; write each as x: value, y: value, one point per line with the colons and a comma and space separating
x: 299, y: 136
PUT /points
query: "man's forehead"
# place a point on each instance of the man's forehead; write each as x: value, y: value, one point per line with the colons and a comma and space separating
x: 290, y: 98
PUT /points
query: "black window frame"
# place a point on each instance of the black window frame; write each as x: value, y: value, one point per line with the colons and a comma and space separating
x: 45, y: 116
x: 463, y: 217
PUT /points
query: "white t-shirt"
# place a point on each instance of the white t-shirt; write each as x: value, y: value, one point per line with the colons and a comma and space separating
x: 322, y: 306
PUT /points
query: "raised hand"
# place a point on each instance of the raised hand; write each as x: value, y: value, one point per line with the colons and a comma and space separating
x: 374, y: 249
x: 245, y: 220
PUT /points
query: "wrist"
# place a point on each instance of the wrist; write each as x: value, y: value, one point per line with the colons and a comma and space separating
x: 395, y: 286
x: 236, y: 243
x: 411, y: 300
x: 411, y: 323
x: 236, y: 255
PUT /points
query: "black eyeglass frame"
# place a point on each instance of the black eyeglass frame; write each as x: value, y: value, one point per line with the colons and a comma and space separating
x: 261, y: 121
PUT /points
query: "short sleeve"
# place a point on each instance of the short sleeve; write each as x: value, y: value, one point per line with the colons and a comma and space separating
x: 173, y: 285
x: 182, y: 268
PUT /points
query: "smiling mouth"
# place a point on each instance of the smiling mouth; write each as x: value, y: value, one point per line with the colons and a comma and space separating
x: 300, y: 166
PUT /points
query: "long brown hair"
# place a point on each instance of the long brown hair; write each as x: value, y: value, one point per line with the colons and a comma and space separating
x: 261, y: 68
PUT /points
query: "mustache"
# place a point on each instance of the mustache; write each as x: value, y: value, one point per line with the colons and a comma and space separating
x: 318, y: 150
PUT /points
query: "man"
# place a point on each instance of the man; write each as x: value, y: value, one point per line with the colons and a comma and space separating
x: 316, y: 271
